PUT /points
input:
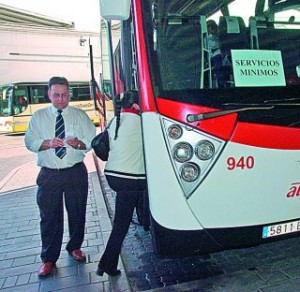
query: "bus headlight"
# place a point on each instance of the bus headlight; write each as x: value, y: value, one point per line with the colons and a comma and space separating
x: 175, y: 131
x: 204, y: 150
x: 192, y: 153
x: 182, y: 152
x: 189, y: 171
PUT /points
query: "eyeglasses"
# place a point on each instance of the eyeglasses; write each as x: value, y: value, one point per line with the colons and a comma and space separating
x: 62, y: 95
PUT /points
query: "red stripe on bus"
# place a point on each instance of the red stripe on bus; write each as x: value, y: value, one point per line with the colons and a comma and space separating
x: 227, y: 128
x: 267, y: 136
x: 220, y: 127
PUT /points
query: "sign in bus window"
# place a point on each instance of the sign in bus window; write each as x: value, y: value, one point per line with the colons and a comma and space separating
x: 257, y: 68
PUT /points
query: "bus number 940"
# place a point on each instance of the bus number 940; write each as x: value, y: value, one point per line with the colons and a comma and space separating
x: 242, y: 162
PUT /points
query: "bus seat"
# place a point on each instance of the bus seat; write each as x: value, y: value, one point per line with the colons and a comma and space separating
x: 233, y: 34
x: 255, y: 22
x: 265, y: 36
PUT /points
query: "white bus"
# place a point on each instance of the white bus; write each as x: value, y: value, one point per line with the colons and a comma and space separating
x: 20, y: 100
x: 222, y: 159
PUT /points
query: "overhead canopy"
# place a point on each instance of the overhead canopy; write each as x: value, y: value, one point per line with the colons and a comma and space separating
x: 209, y: 7
x: 190, y: 7
x: 10, y: 15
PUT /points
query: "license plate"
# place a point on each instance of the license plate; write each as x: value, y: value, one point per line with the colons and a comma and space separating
x: 281, y: 229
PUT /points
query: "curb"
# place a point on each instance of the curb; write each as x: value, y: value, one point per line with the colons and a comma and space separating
x: 9, y: 176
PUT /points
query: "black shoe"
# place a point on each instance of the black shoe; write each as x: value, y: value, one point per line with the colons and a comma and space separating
x: 101, y: 271
x: 146, y: 227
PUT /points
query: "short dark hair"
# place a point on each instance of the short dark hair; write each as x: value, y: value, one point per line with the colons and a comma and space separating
x: 212, y: 23
x: 58, y: 80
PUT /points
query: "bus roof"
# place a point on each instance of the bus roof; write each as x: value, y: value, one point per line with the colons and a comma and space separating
x: 209, y: 7
x: 194, y: 7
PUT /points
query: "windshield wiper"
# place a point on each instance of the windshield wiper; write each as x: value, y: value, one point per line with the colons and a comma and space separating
x: 283, y: 101
x: 199, y: 117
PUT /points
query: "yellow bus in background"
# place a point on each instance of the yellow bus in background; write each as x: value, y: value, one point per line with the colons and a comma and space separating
x: 20, y: 100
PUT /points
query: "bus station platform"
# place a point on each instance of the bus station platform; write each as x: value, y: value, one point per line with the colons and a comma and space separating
x: 265, y: 268
x: 20, y: 242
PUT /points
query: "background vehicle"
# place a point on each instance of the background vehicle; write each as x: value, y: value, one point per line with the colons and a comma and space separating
x: 223, y: 162
x: 20, y: 100
x: 34, y: 48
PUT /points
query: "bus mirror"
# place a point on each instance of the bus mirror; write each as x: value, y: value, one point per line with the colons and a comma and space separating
x: 115, y: 9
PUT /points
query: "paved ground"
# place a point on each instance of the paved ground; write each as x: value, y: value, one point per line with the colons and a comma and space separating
x: 272, y: 267
x: 20, y: 239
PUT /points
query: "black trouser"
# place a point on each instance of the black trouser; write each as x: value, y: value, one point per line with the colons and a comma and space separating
x: 52, y: 185
x: 129, y: 192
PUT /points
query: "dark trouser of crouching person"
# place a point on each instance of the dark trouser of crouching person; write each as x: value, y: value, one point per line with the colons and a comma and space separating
x: 129, y: 193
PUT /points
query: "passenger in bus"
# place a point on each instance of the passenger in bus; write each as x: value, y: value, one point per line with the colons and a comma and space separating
x: 215, y: 53
x: 125, y: 173
x: 60, y: 135
x: 20, y: 104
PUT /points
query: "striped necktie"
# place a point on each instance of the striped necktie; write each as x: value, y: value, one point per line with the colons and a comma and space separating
x: 60, y: 133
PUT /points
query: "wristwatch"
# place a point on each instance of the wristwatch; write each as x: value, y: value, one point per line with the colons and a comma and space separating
x: 78, y: 146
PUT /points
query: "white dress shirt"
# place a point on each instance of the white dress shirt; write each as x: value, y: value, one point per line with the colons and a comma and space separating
x: 42, y: 127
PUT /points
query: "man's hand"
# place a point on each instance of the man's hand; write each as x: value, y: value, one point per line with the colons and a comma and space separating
x: 73, y: 142
x: 56, y: 142
x: 52, y: 143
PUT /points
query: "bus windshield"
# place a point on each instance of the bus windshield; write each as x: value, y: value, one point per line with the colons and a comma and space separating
x: 5, y: 102
x: 14, y: 100
x: 212, y: 48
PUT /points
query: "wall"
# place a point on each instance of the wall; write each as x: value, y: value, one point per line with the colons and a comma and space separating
x: 32, y: 53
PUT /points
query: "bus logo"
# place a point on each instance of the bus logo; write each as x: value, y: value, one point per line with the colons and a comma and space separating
x: 294, y: 190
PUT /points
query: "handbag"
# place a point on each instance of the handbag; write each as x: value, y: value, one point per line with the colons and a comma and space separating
x: 100, y: 144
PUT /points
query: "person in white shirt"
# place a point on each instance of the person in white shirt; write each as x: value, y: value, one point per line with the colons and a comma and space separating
x: 125, y: 174
x: 60, y: 147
